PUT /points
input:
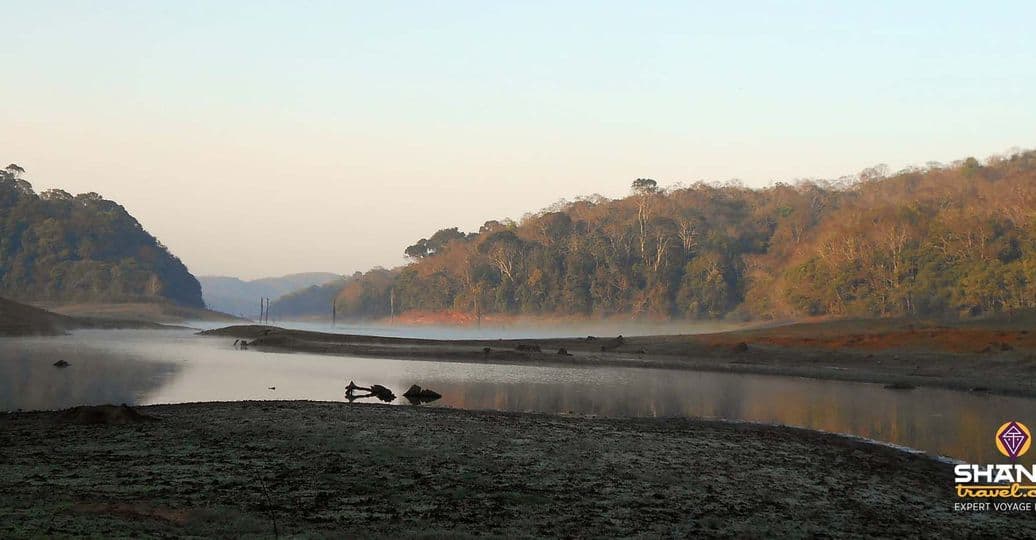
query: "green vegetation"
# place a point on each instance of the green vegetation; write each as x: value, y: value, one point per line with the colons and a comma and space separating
x: 56, y: 247
x: 368, y: 295
x: 953, y: 240
x: 314, y: 300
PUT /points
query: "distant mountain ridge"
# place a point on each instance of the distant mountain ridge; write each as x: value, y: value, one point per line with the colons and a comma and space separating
x: 60, y: 248
x: 240, y: 297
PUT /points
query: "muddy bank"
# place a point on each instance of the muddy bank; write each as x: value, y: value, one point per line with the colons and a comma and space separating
x: 159, y: 313
x: 970, y: 359
x: 18, y: 319
x: 328, y: 469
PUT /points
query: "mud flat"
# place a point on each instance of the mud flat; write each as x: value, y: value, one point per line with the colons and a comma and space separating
x: 23, y: 320
x: 896, y: 353
x: 328, y: 469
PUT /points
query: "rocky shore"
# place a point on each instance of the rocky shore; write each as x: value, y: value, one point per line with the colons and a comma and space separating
x: 310, y: 469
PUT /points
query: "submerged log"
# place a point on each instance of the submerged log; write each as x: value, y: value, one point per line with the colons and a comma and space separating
x: 376, y: 390
x: 382, y: 393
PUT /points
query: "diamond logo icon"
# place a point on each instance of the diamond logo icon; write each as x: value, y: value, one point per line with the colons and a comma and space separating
x: 1013, y: 439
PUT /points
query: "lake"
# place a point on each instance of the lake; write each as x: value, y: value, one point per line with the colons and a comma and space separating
x: 150, y: 367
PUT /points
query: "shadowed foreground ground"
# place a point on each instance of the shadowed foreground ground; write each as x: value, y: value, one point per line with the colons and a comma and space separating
x: 330, y: 469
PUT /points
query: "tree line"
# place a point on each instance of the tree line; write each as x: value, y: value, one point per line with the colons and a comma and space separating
x: 943, y: 240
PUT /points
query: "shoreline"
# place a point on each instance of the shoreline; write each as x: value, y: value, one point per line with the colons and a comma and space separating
x: 321, y: 468
x: 759, y: 351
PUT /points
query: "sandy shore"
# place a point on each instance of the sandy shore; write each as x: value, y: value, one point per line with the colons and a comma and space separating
x: 332, y: 469
x: 1000, y: 361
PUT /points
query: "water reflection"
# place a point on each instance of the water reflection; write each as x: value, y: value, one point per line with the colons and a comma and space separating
x: 33, y: 377
x: 939, y: 421
x: 173, y: 367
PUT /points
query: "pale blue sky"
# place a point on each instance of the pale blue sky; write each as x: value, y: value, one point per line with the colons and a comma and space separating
x: 352, y: 129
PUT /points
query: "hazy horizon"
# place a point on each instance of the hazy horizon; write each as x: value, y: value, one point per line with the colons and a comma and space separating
x: 263, y: 140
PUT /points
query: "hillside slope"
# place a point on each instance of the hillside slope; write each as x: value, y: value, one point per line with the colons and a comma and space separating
x: 311, y: 302
x: 55, y: 247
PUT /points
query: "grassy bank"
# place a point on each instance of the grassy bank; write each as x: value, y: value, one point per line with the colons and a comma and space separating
x: 329, y: 469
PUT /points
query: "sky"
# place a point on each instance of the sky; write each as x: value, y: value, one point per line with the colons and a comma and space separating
x: 263, y: 138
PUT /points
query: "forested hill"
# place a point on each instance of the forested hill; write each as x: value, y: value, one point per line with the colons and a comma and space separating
x: 313, y: 301
x: 57, y: 247
x: 945, y: 240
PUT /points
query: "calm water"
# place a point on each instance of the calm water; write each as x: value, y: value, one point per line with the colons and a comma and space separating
x: 145, y: 367
x: 514, y: 331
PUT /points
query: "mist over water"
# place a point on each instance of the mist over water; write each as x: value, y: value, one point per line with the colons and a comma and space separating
x: 529, y: 329
x: 99, y: 374
x: 150, y: 367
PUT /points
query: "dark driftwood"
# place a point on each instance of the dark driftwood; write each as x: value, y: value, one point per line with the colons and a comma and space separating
x: 354, y: 392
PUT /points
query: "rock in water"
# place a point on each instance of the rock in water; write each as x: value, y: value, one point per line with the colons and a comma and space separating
x: 416, y: 394
x: 429, y: 395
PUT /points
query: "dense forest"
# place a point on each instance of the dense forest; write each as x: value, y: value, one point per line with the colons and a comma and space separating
x: 943, y: 240
x: 63, y: 248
